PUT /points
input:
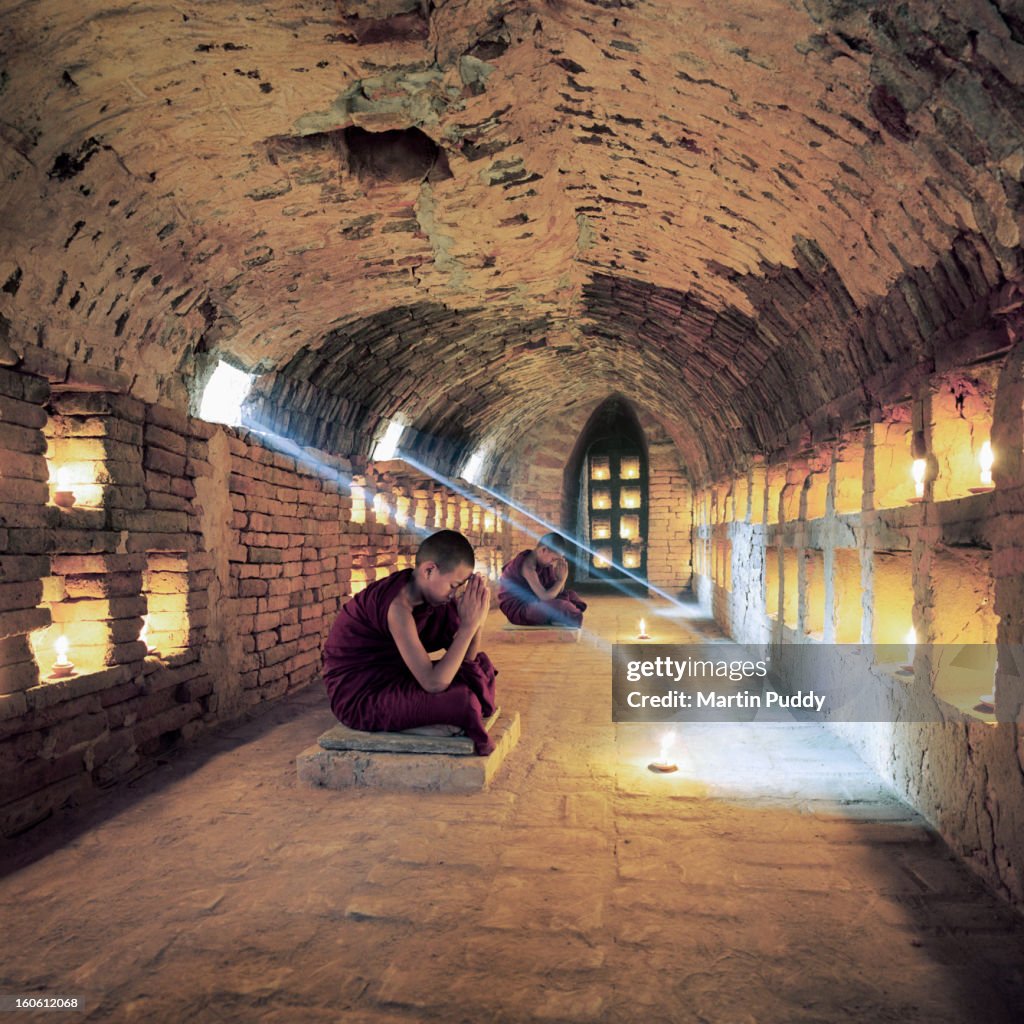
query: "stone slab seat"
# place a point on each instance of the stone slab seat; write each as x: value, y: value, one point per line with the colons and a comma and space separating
x: 511, y: 633
x: 345, y: 758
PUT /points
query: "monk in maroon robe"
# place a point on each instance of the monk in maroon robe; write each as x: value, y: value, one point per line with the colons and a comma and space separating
x: 377, y: 670
x: 532, y: 590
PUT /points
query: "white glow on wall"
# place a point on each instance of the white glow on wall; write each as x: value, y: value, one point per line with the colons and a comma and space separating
x: 471, y: 470
x: 224, y: 394
x: 387, y: 446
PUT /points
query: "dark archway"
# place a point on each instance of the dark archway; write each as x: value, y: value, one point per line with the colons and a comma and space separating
x: 605, y: 493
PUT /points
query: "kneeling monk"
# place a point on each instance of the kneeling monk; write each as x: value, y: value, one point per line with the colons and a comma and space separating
x: 532, y: 590
x: 378, y: 674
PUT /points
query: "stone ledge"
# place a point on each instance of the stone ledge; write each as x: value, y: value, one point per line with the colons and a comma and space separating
x: 537, y: 634
x: 341, y: 737
x: 402, y: 761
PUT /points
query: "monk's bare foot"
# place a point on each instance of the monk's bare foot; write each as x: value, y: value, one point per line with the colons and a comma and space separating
x: 435, y: 730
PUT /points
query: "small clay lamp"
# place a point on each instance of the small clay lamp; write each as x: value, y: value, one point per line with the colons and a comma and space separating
x: 62, y: 667
x: 64, y: 496
x: 143, y: 637
x: 985, y: 460
x: 917, y: 471
x: 911, y: 641
x: 664, y: 765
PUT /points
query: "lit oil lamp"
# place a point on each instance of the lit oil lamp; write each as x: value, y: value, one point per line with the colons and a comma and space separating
x: 62, y: 667
x: 917, y: 471
x: 665, y: 764
x: 642, y: 631
x: 144, y: 635
x: 985, y: 460
x: 911, y: 641
x: 64, y: 496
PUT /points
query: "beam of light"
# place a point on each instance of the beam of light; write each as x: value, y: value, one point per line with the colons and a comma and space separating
x: 388, y: 444
x: 546, y: 528
x: 300, y: 454
x: 471, y: 470
x: 224, y: 394
x: 286, y: 446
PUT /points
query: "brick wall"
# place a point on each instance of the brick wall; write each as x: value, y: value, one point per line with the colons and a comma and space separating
x: 831, y: 544
x: 194, y: 577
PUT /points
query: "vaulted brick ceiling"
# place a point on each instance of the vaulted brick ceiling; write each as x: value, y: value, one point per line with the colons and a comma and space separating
x: 468, y: 212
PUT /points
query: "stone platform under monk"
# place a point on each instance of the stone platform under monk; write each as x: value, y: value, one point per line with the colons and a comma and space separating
x: 344, y: 758
x: 513, y: 634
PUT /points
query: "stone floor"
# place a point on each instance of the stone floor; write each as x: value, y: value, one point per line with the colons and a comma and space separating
x: 772, y: 879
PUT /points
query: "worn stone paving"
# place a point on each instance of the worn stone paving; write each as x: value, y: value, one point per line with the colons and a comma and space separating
x: 772, y: 879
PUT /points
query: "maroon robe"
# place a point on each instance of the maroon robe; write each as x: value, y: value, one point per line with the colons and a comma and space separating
x: 522, y: 606
x: 371, y: 688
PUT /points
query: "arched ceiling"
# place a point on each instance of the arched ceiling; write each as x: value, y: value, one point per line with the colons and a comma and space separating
x: 463, y: 213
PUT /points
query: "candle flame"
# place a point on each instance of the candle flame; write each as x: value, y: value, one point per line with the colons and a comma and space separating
x: 643, y: 628
x: 985, y: 459
x: 64, y: 478
x: 61, y: 645
x: 668, y: 742
x: 918, y: 472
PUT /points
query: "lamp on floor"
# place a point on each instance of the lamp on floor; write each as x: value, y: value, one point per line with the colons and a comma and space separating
x: 665, y: 764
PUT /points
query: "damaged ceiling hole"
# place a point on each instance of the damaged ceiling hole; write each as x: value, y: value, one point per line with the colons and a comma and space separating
x: 400, y: 154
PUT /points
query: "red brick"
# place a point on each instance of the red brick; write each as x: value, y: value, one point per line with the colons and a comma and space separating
x: 84, y: 403
x: 169, y: 502
x: 15, y: 649
x: 94, y: 449
x: 65, y: 540
x: 98, y: 426
x: 19, y: 676
x: 24, y: 387
x: 106, y: 585
x: 22, y: 414
x: 102, y: 610
x: 25, y: 492
x: 25, y: 594
x: 30, y: 516
x: 171, y: 419
x: 164, y: 462
x: 193, y: 689
x: 171, y: 562
x: 266, y: 639
x: 149, y: 521
x: 169, y: 440
x: 38, y: 774
x: 22, y: 466
x: 163, y: 542
x: 15, y: 623
x: 72, y: 565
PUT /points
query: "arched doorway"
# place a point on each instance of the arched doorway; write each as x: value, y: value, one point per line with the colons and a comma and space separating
x: 607, y: 474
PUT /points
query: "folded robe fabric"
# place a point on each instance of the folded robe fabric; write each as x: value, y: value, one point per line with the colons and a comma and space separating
x: 371, y: 688
x: 521, y: 605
